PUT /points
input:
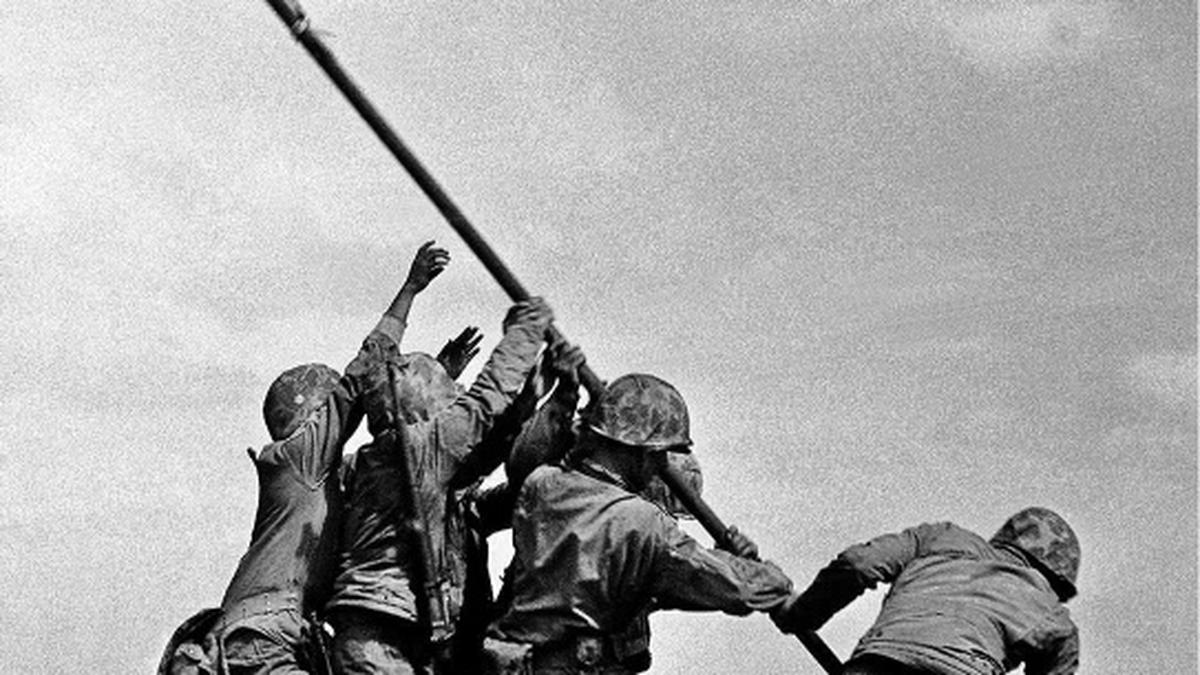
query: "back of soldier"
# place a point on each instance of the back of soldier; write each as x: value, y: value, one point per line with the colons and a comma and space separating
x: 961, y: 600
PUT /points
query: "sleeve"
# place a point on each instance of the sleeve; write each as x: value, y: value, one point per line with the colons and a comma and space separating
x: 855, y: 570
x: 336, y: 420
x: 368, y: 370
x: 497, y: 444
x: 1057, y: 653
x: 491, y: 509
x: 459, y: 429
x: 690, y: 577
x: 544, y: 439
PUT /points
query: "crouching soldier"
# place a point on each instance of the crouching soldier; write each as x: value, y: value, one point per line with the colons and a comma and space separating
x: 959, y: 604
x: 403, y: 526
x: 285, y: 575
x: 590, y: 554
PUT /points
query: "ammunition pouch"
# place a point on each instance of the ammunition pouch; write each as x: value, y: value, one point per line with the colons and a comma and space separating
x: 185, y: 653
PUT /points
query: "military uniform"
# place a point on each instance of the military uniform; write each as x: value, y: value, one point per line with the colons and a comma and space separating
x: 373, y: 608
x: 287, y: 570
x: 589, y: 557
x: 958, y: 605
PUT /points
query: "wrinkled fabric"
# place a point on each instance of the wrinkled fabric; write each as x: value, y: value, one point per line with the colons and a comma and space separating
x: 262, y: 644
x: 545, y: 438
x: 878, y: 665
x: 376, y: 561
x: 366, y: 643
x: 959, y: 605
x: 290, y: 562
x: 184, y: 653
x: 590, y: 556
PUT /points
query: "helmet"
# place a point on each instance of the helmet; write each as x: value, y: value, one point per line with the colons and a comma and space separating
x: 423, y: 388
x: 294, y: 395
x: 1048, y: 539
x: 642, y: 411
x: 656, y: 490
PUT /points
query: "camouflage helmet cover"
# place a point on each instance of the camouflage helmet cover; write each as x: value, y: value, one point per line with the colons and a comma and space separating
x: 1047, y: 537
x: 643, y: 411
x: 423, y: 387
x: 295, y: 395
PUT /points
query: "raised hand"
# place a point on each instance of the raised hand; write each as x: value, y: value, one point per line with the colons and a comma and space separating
x: 429, y: 262
x: 459, y: 351
x: 563, y: 363
x: 560, y: 363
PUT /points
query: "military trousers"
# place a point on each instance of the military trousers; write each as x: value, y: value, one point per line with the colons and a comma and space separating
x: 366, y: 642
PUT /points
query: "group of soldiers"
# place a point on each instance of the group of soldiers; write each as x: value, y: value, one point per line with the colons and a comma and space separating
x: 377, y: 562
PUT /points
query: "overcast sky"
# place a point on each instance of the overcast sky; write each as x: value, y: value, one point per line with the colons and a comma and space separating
x: 907, y: 261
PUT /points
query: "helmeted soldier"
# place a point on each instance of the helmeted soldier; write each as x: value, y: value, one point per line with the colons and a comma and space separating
x: 428, y: 430
x: 285, y: 575
x: 959, y: 604
x: 591, y: 555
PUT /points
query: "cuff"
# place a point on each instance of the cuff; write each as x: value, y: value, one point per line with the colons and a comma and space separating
x: 391, y: 327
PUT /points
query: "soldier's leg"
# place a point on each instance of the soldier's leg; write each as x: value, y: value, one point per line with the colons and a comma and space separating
x: 371, y: 643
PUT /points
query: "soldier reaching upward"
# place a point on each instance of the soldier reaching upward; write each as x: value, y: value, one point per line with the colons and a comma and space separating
x: 431, y: 441
x: 286, y: 573
x: 959, y: 604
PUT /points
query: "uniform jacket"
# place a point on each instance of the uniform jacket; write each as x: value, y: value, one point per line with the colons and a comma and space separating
x: 958, y: 604
x: 376, y: 562
x: 590, y: 556
x: 292, y: 554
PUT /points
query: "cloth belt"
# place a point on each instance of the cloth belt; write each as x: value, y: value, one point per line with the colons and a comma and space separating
x: 264, y: 603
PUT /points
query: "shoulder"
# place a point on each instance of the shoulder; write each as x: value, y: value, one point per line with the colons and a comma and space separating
x: 545, y: 474
x: 556, y: 482
x: 947, y: 537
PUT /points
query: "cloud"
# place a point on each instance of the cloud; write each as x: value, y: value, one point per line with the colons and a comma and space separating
x: 1168, y: 377
x: 1010, y: 37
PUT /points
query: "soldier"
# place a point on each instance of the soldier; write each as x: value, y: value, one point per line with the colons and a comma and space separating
x: 552, y: 396
x: 286, y: 573
x: 547, y: 439
x: 443, y: 440
x: 591, y: 555
x: 958, y: 604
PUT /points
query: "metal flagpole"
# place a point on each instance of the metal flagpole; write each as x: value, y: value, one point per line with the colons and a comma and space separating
x: 293, y: 16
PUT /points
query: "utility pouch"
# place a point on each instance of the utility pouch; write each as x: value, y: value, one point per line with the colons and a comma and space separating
x: 501, y: 657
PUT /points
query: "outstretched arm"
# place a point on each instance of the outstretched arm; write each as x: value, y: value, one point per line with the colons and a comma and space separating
x: 855, y: 570
x: 429, y: 262
x: 472, y: 416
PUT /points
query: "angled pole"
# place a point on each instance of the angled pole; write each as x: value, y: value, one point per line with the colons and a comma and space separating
x: 293, y: 16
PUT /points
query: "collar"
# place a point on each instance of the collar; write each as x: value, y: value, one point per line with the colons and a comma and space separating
x: 590, y: 468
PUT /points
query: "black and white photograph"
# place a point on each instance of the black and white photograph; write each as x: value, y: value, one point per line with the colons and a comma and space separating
x: 551, y: 338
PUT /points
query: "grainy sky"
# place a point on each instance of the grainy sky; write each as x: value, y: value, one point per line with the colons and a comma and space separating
x: 907, y: 261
